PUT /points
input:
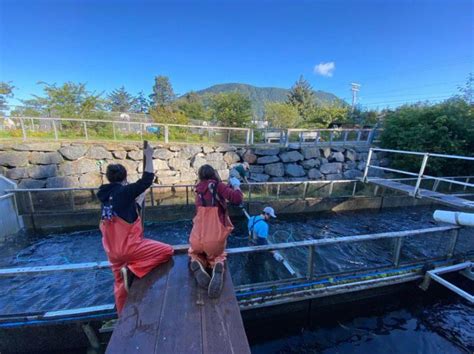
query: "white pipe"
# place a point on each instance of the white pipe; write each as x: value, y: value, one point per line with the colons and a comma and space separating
x: 454, y: 217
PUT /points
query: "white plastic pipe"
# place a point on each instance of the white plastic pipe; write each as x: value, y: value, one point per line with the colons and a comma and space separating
x: 454, y: 217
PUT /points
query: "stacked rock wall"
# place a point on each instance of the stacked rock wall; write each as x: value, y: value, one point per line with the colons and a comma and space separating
x: 55, y: 165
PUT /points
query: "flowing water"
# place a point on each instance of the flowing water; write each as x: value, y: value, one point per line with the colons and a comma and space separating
x: 26, y: 294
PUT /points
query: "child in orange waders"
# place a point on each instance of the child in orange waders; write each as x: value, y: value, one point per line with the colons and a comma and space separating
x: 129, y: 253
x: 211, y: 226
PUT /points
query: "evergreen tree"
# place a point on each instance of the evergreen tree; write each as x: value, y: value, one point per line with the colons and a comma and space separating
x: 163, y: 93
x: 191, y: 105
x: 120, y: 100
x: 141, y: 104
x: 301, y: 96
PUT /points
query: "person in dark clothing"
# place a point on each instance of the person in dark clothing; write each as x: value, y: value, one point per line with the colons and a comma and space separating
x: 211, y: 227
x: 129, y: 253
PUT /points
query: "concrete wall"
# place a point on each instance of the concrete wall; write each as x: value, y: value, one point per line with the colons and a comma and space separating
x: 63, y: 164
x: 10, y: 222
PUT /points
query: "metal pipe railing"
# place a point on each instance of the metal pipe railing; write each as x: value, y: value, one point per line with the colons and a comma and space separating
x: 280, y: 136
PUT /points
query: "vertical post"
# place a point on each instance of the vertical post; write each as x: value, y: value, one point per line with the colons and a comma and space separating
x: 359, y: 132
x: 452, y: 243
x: 71, y: 199
x: 85, y: 130
x: 376, y: 190
x: 287, y: 140
x: 247, y: 137
x: 187, y: 196
x: 113, y: 130
x: 396, y: 250
x: 435, y: 185
x: 55, y: 129
x: 310, y: 270
x: 331, y: 186
x: 30, y: 200
x: 32, y: 124
x: 420, y: 175
x: 354, y: 189
x: 166, y: 134
x: 305, y: 190
x: 345, y: 136
x: 467, y: 181
x: 278, y: 191
x: 252, y: 136
x: 367, y: 165
x: 370, y: 137
x: 142, y: 127
x: 228, y: 136
x: 331, y: 137
x: 152, y: 196
x: 316, y: 140
x: 23, y: 130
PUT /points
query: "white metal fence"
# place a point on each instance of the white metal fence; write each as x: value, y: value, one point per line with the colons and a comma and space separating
x: 28, y: 128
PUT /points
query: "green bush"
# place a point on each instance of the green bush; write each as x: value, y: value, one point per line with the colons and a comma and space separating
x: 444, y: 128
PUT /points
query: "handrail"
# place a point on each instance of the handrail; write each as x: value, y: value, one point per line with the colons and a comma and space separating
x: 180, y: 249
x: 421, y: 174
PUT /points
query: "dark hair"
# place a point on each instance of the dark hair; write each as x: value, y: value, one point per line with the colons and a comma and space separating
x: 208, y: 172
x: 116, y: 173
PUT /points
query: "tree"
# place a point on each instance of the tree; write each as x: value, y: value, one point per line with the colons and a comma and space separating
x: 163, y: 93
x: 120, y: 100
x: 232, y: 109
x: 162, y: 114
x: 281, y: 115
x: 467, y: 91
x: 70, y: 100
x: 141, y: 103
x: 301, y: 96
x: 6, y: 91
x: 322, y: 115
x: 444, y: 128
x: 193, y: 107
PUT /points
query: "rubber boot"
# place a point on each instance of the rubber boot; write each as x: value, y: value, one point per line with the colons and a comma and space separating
x: 202, y: 278
x: 127, y: 277
x: 217, y: 281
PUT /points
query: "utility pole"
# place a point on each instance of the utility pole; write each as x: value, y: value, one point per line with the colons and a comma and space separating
x: 354, y: 88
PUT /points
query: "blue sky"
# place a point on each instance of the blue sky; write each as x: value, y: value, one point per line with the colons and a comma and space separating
x: 397, y: 50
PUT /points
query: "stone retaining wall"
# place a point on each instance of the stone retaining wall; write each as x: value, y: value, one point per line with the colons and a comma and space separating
x: 53, y: 165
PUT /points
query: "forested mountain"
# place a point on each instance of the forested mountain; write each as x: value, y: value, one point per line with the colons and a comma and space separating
x: 260, y: 95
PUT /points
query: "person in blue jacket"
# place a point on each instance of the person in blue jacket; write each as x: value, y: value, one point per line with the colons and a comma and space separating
x: 259, y: 228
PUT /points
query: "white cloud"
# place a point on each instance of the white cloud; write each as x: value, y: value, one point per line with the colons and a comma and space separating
x: 325, y: 69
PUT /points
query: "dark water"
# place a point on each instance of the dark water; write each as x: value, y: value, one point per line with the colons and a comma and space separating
x: 22, y: 294
x: 408, y: 322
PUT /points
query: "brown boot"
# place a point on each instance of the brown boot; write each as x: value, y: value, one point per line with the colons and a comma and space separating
x: 217, y: 281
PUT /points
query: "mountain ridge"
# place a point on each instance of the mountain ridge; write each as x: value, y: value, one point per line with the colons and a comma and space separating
x: 261, y: 95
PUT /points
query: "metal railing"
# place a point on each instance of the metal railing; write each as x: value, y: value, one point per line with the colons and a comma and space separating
x: 98, y: 129
x: 420, y: 175
x: 183, y: 194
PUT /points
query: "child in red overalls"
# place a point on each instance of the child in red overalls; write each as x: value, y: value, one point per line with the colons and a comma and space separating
x: 211, y: 226
x: 122, y: 230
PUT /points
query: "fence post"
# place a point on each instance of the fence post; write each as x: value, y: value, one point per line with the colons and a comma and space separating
x: 359, y: 133
x: 452, y: 243
x: 396, y: 250
x: 367, y: 165
x: 345, y: 136
x: 287, y: 140
x: 55, y: 129
x: 305, y: 190
x: 247, y: 137
x: 310, y: 270
x: 316, y: 140
x: 32, y: 124
x: 113, y: 129
x: 331, y: 137
x: 370, y: 137
x: 23, y: 130
x: 85, y: 130
x: 420, y: 175
x: 166, y: 134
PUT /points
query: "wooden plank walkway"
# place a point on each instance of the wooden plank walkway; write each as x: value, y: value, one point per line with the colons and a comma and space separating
x: 167, y: 313
x: 446, y: 199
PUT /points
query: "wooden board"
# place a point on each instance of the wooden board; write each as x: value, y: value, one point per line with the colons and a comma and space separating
x: 167, y: 313
x: 446, y: 199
